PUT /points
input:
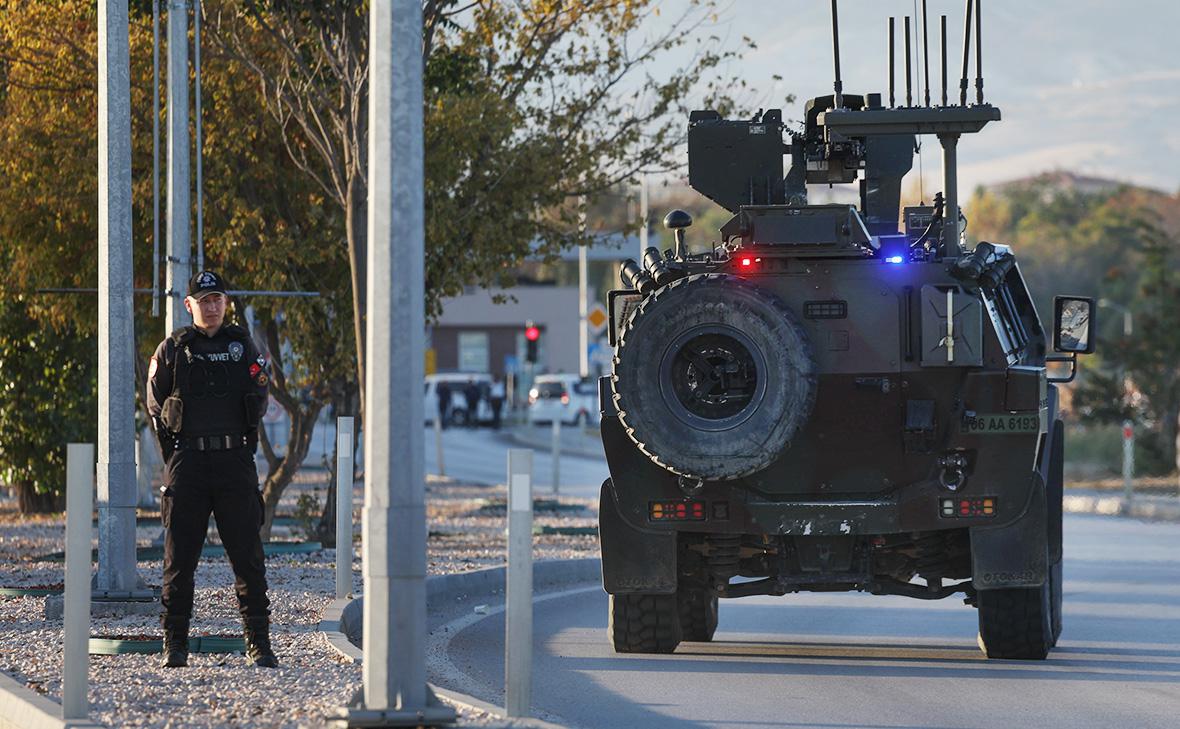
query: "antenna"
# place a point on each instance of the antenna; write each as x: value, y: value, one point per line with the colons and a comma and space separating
x: 909, y: 97
x: 838, y: 86
x: 944, y: 102
x: 926, y: 52
x: 891, y: 74
x: 978, y: 51
x: 966, y: 55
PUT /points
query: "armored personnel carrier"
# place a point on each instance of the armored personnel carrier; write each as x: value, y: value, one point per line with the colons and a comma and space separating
x: 834, y: 397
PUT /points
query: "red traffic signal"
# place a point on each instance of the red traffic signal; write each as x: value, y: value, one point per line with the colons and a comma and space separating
x: 532, y: 333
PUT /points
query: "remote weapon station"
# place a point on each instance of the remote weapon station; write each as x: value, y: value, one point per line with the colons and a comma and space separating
x: 831, y: 399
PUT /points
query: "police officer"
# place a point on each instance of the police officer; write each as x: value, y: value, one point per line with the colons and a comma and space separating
x: 207, y: 386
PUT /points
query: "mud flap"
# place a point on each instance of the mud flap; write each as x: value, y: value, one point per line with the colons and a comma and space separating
x: 1015, y: 554
x: 633, y: 560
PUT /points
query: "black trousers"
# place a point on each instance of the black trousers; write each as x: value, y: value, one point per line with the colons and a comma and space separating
x: 224, y: 483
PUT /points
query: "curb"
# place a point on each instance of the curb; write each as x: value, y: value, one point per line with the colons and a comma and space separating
x: 342, y: 618
x: 23, y: 708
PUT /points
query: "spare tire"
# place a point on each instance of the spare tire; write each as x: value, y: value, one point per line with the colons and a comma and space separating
x: 713, y: 377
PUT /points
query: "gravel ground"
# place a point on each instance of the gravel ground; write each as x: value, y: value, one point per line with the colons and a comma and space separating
x: 466, y: 525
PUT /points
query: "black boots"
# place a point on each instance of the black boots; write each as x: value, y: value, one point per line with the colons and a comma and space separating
x: 258, y: 652
x: 175, y: 641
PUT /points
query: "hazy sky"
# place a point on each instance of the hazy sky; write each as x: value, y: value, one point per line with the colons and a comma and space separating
x: 1090, y: 86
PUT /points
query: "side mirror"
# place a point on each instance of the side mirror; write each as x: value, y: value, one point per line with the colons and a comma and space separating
x: 1073, y: 324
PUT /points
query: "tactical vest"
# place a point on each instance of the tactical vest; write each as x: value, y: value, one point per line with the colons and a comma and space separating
x: 211, y: 376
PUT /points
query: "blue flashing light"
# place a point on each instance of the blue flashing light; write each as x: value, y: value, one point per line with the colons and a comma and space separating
x: 895, y: 259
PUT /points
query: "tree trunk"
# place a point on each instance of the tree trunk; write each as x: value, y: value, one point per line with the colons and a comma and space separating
x: 356, y: 228
x: 31, y: 501
x: 283, y: 472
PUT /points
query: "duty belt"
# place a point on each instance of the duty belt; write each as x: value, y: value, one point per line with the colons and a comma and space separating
x: 214, y: 442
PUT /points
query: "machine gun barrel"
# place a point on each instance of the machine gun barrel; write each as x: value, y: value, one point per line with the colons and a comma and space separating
x: 838, y: 86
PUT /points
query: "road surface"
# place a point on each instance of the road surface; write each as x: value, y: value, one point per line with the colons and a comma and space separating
x: 480, y: 455
x: 851, y: 660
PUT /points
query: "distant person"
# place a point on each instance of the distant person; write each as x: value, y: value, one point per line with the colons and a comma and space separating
x: 497, y: 400
x: 471, y: 393
x: 443, y: 391
x: 206, y: 394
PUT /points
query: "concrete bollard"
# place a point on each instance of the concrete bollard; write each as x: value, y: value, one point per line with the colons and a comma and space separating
x: 438, y: 446
x: 76, y: 643
x: 344, y: 470
x: 556, y: 448
x: 518, y: 615
x: 1128, y: 465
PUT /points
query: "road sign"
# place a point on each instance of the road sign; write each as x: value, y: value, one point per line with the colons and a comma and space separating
x: 596, y: 318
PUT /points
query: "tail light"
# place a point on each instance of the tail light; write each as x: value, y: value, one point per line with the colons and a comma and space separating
x: 676, y: 510
x: 532, y: 396
x: 565, y: 398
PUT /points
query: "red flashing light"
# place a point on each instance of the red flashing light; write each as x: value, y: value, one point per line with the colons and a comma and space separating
x: 532, y: 333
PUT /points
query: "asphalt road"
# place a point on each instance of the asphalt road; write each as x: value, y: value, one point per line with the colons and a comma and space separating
x: 480, y: 455
x: 850, y: 660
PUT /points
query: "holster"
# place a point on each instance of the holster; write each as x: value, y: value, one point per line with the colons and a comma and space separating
x: 172, y: 413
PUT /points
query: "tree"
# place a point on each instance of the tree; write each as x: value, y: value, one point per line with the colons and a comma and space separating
x: 48, y: 398
x: 524, y: 112
x: 268, y: 226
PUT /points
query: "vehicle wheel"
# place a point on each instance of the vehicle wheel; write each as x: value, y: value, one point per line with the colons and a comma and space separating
x: 713, y: 377
x: 644, y: 623
x: 698, y: 614
x: 1016, y: 622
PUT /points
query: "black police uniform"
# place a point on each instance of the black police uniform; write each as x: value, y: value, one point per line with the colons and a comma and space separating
x: 206, y: 396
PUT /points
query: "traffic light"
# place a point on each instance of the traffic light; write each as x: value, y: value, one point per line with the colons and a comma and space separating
x: 532, y: 334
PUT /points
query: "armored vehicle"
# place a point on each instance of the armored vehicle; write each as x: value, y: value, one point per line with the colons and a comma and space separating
x: 834, y: 397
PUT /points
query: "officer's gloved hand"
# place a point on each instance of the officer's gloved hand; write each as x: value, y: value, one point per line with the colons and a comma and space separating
x: 164, y: 437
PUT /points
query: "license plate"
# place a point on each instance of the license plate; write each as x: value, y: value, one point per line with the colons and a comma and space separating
x: 1001, y: 424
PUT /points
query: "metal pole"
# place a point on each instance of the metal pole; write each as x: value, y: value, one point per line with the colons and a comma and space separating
x: 177, y: 212
x: 583, y: 308
x: 555, y: 445
x: 950, y: 187
x: 1128, y: 464
x: 344, y: 471
x: 518, y: 619
x: 155, y: 157
x: 197, y: 125
x: 75, y: 672
x: 438, y: 445
x: 117, y: 494
x: 394, y: 532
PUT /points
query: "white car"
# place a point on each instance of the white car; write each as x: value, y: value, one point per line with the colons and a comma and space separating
x: 457, y: 412
x: 566, y: 397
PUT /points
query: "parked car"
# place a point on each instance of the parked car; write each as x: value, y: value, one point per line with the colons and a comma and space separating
x: 457, y: 411
x: 568, y: 397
